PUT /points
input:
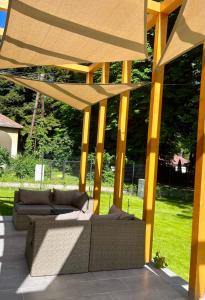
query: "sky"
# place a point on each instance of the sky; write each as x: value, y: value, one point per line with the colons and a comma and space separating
x: 2, y: 19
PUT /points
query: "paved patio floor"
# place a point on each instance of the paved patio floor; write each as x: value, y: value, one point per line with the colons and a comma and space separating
x: 16, y: 284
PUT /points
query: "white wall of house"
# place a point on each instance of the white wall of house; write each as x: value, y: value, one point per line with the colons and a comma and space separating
x: 9, y: 140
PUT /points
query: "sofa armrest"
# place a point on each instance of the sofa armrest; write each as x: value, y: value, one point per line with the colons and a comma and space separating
x: 90, y: 205
x: 16, y: 197
x: 117, y: 244
x: 58, y: 220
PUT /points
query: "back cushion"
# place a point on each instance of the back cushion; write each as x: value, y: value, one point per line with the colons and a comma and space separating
x: 65, y: 197
x: 122, y: 214
x: 80, y: 201
x: 114, y: 216
x: 34, y: 197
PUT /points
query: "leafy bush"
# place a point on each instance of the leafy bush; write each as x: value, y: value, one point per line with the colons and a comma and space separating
x: 108, y: 173
x: 60, y: 149
x: 160, y: 261
x: 24, y: 166
x: 4, y: 157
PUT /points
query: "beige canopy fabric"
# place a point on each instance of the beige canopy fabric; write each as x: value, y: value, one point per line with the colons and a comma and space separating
x: 78, y: 96
x: 188, y: 32
x: 56, y: 32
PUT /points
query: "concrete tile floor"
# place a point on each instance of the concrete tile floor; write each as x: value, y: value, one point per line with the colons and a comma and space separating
x: 16, y: 284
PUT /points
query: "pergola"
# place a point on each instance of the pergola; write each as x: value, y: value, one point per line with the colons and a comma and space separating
x: 101, y: 43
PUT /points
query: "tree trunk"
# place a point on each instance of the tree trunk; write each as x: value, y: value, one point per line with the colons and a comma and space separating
x: 34, y: 113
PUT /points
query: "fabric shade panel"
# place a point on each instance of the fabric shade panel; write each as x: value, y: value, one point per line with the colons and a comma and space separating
x: 60, y: 32
x: 188, y: 32
x: 78, y: 96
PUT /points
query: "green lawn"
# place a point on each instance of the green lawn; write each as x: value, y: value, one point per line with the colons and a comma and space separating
x: 172, y: 233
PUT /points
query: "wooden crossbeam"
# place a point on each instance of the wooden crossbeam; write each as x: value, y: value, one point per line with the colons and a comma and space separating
x: 1, y: 31
x: 94, y: 67
x: 168, y: 6
x: 75, y: 68
x: 4, y: 5
x: 151, y: 21
x: 153, y: 6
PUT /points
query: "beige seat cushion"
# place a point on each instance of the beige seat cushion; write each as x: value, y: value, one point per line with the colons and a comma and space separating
x: 34, y: 197
x: 25, y: 209
x: 75, y: 215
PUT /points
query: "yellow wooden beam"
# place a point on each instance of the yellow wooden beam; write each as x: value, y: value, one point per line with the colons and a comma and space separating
x: 154, y: 133
x: 95, y: 67
x: 122, y: 136
x: 1, y: 31
x: 100, y: 142
x: 151, y: 21
x: 168, y: 6
x: 4, y: 5
x: 153, y: 6
x: 85, y: 142
x: 197, y: 264
x: 75, y: 68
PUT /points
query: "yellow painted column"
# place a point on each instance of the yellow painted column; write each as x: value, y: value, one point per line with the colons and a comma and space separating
x: 197, y: 264
x: 154, y: 133
x: 122, y: 136
x: 85, y: 141
x: 100, y: 142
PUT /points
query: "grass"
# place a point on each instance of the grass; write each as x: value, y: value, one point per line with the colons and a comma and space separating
x: 172, y: 233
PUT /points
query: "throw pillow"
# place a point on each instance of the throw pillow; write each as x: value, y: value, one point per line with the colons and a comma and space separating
x: 114, y: 209
x: 34, y: 197
x: 122, y: 214
x: 126, y: 216
x: 80, y: 201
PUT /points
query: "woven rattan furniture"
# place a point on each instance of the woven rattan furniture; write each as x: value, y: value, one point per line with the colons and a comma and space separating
x: 117, y: 244
x: 58, y: 246
x: 21, y: 212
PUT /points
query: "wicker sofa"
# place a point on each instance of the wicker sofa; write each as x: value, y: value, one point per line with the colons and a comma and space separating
x: 68, y: 201
x: 57, y: 245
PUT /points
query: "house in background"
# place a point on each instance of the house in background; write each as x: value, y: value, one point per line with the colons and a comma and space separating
x: 9, y: 132
x: 180, y: 163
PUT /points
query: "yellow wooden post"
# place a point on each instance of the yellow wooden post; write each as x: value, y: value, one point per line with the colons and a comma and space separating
x: 122, y: 136
x: 100, y: 142
x: 154, y: 133
x: 85, y: 141
x: 197, y: 265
